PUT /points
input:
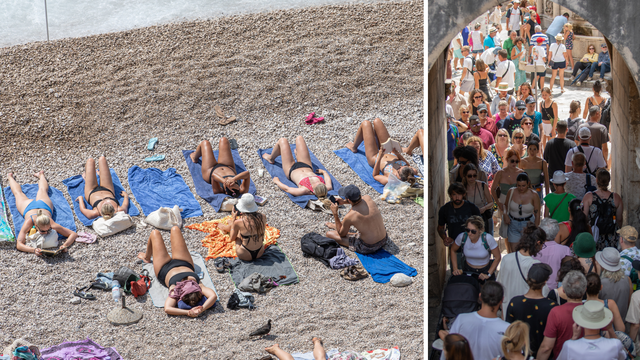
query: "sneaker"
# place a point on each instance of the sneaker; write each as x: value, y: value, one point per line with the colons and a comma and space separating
x: 590, y: 78
x: 579, y: 83
x: 573, y: 77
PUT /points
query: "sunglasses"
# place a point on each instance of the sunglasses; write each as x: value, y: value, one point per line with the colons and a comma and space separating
x: 463, y: 162
x: 477, y: 97
x: 472, y: 231
x: 502, y: 135
x: 472, y: 176
x: 528, y: 123
x: 464, y: 112
x: 514, y: 161
x: 42, y: 232
x: 520, y: 209
x: 518, y: 138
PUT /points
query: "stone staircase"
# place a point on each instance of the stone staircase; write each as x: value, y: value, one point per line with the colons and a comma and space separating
x: 567, y: 79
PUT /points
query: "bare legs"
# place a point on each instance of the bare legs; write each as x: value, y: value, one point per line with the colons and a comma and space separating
x: 91, y: 180
x: 554, y: 72
x: 417, y: 140
x: 283, y: 149
x: 205, y: 150
x: 43, y: 189
x: 279, y: 353
x: 21, y: 199
x: 561, y: 72
x: 372, y: 136
x: 318, y: 351
x: 157, y: 249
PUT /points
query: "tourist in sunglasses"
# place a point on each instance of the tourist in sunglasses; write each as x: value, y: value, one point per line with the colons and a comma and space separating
x: 503, y: 181
x: 37, y: 214
x: 585, y: 63
x: 500, y: 147
x: 521, y: 207
x: 518, y: 142
x: 536, y: 168
x: 476, y: 98
x: 477, y: 247
x: 465, y: 155
x: 479, y: 194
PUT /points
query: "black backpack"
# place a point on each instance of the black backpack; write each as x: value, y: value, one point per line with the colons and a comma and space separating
x: 604, y: 218
x: 572, y: 127
x: 319, y: 247
x: 606, y: 114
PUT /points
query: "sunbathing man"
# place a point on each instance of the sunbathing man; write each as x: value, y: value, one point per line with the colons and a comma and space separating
x: 103, y: 194
x: 178, y: 275
x: 248, y: 230
x: 417, y: 140
x: 300, y: 172
x: 387, y: 163
x: 37, y: 213
x: 222, y: 170
x: 364, y: 216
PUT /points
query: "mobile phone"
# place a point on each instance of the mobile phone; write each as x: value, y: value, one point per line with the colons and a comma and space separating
x: 260, y: 200
x: 333, y: 199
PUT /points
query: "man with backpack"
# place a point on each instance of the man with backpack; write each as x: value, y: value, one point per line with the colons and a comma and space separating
x: 555, y: 152
x: 629, y: 249
x: 593, y: 155
x: 578, y: 182
x: 467, y: 82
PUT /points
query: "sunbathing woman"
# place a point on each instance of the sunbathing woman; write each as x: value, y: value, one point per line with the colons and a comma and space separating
x: 301, y: 171
x: 318, y: 352
x: 178, y: 275
x: 222, y: 170
x: 37, y: 213
x: 101, y: 196
x: 389, y: 163
x: 247, y: 230
x: 416, y: 141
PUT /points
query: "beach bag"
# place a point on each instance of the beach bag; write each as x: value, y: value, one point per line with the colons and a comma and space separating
x: 125, y: 276
x: 393, y: 189
x: 119, y: 222
x: 228, y: 204
x: 319, y: 247
x: 37, y: 240
x: 165, y: 218
x: 140, y: 287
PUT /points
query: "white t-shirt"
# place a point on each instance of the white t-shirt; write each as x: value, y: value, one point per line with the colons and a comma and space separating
x: 595, y: 161
x: 598, y: 349
x: 468, y: 63
x: 539, y: 53
x: 476, y: 254
x: 454, y: 43
x: 557, y: 54
x: 483, y: 334
x: 509, y: 276
x: 514, y: 20
x: 507, y: 71
x: 633, y: 314
x: 477, y: 41
x: 449, y: 110
x: 488, y: 57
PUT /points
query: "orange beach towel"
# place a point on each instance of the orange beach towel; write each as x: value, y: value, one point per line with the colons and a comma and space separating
x: 219, y: 243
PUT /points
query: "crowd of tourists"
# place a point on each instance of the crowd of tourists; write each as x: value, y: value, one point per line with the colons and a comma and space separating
x: 521, y: 175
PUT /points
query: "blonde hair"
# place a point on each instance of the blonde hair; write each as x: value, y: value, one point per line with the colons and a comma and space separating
x: 463, y: 107
x: 502, y: 103
x: 107, y: 211
x: 614, y: 276
x: 320, y: 191
x: 483, y: 152
x: 42, y: 219
x: 503, y: 130
x: 569, y: 26
x: 516, y: 339
x: 518, y: 131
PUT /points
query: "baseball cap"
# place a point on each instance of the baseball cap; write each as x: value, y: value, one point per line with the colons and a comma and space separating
x: 629, y: 233
x: 539, y: 40
x: 349, y: 192
x: 520, y: 105
x: 482, y: 107
x: 584, y: 133
x: 539, y: 273
x: 530, y: 100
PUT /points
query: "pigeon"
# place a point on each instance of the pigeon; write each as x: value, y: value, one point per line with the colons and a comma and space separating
x: 264, y: 330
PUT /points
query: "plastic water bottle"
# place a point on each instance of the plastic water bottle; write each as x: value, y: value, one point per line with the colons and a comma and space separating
x: 115, y: 292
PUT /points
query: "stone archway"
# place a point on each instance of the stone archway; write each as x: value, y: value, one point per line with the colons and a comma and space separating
x: 617, y: 20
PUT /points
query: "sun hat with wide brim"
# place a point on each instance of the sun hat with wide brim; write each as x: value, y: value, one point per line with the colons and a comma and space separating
x: 559, y: 37
x: 592, y: 315
x: 559, y: 177
x: 503, y: 86
x: 584, y: 246
x: 609, y: 259
x: 247, y: 204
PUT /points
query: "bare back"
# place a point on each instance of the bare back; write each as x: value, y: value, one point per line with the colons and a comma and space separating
x: 365, y: 216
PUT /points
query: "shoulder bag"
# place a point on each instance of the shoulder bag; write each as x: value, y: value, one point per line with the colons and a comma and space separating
x: 554, y: 210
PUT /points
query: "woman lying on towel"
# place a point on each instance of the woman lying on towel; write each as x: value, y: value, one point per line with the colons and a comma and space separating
x: 318, y: 352
x: 381, y: 152
x: 247, y: 231
x: 37, y: 214
x: 101, y: 196
x: 221, y: 173
x: 416, y: 141
x: 187, y: 295
x: 301, y: 171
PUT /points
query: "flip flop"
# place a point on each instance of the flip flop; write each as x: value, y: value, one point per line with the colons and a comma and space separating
x: 152, y: 143
x: 100, y: 285
x: 227, y: 121
x: 309, y: 118
x: 84, y: 295
x: 317, y: 120
x: 219, y: 264
x: 219, y: 111
x: 154, y: 158
x: 233, y: 144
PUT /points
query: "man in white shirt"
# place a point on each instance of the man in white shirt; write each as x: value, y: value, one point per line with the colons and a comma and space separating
x: 592, y: 316
x: 483, y: 329
x: 456, y: 45
x: 467, y: 82
x: 593, y: 155
x: 515, y: 17
x: 489, y: 58
x: 506, y: 71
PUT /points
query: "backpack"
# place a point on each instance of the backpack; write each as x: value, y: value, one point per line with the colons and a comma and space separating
x: 588, y: 187
x: 605, y: 216
x: 588, y: 167
x: 319, y: 247
x: 483, y: 237
x: 605, y: 119
x: 473, y: 64
x: 633, y: 274
x: 140, y: 287
x: 572, y: 127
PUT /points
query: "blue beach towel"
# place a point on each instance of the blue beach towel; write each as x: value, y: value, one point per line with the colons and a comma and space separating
x: 382, y: 265
x: 154, y: 188
x: 358, y: 162
x: 75, y: 187
x: 61, y: 210
x: 275, y: 170
x: 5, y: 230
x: 203, y: 188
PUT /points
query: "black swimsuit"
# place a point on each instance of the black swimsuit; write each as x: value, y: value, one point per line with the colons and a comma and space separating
x: 226, y: 191
x: 162, y: 274
x: 101, y: 188
x: 298, y: 165
x: 254, y: 253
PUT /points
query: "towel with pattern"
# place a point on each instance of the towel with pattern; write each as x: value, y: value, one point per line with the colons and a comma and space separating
x: 219, y: 243
x: 5, y: 230
x: 83, y: 349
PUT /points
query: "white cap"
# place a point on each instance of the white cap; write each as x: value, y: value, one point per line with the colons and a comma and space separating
x: 584, y: 133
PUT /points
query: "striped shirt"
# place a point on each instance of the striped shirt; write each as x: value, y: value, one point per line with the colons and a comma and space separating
x: 534, y: 39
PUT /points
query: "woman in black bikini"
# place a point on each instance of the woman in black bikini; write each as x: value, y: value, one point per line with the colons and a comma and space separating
x: 222, y: 170
x: 247, y: 230
x: 177, y: 273
x: 101, y: 195
x: 37, y: 213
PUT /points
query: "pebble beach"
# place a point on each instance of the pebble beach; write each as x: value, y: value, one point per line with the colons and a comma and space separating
x: 67, y: 100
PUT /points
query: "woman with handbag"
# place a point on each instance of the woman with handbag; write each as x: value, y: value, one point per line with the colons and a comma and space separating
x: 558, y: 61
x: 521, y: 207
x: 221, y: 172
x: 187, y: 295
x: 477, y: 248
x: 503, y: 181
x: 518, y: 55
x: 479, y: 194
x: 246, y: 230
x: 536, y: 167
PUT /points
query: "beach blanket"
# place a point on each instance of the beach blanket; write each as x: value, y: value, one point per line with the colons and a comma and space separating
x: 154, y: 188
x: 75, y: 187
x: 83, y: 349
x: 219, y: 243
x: 276, y: 170
x: 159, y: 292
x: 358, y: 162
x: 381, y: 265
x: 419, y: 160
x: 382, y: 354
x: 5, y: 230
x: 61, y: 210
x: 273, y: 263
x: 203, y: 188
x: 309, y: 355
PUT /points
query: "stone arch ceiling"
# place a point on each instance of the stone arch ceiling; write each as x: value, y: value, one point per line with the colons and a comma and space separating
x: 618, y: 20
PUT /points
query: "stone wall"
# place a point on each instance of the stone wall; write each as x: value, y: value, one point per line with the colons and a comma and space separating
x: 437, y: 164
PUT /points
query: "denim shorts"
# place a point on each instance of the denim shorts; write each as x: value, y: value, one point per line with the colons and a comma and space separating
x: 515, y: 229
x: 559, y: 65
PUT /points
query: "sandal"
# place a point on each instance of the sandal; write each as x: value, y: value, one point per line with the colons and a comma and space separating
x: 227, y: 121
x: 100, y: 285
x: 219, y: 111
x: 84, y: 295
x: 152, y: 143
x: 219, y: 264
x: 154, y: 158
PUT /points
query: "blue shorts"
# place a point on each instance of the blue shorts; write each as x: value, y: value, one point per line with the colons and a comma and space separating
x: 477, y: 51
x: 458, y: 54
x: 559, y: 65
x: 515, y: 229
x: 37, y: 204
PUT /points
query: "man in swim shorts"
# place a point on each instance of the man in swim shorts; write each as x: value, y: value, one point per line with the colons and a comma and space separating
x: 364, y: 216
